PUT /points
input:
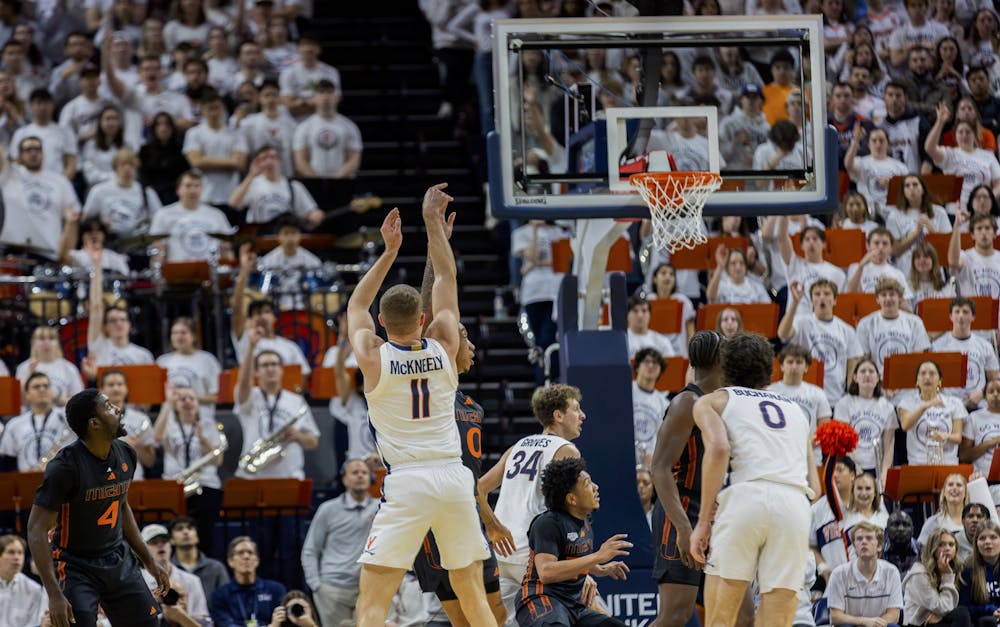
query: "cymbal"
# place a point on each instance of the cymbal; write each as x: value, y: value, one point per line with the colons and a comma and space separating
x: 134, y: 242
x: 11, y: 248
x: 358, y: 239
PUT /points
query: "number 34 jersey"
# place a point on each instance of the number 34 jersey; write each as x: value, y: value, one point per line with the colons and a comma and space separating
x: 521, y: 491
x: 89, y: 494
x: 768, y: 437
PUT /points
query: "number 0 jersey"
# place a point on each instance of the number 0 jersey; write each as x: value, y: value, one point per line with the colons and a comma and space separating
x: 413, y: 406
x: 469, y: 418
x: 768, y: 437
x: 89, y: 494
x: 521, y: 492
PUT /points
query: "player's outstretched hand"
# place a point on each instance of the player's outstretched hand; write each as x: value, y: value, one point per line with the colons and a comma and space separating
x: 615, y: 570
x: 435, y: 202
x: 501, y: 538
x: 613, y: 547
x: 60, y: 611
x: 392, y: 230
x: 162, y: 580
x: 699, y: 541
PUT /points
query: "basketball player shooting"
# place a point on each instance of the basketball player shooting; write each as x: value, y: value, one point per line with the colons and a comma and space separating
x: 410, y: 385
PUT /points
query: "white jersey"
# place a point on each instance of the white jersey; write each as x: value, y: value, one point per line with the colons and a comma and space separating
x: 812, y: 399
x: 412, y: 408
x: 768, y: 436
x: 521, y: 492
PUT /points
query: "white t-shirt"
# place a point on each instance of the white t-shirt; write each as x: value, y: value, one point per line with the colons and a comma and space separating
x: 57, y: 143
x: 181, y: 448
x: 648, y: 410
x: 871, y: 418
x: 260, y: 130
x: 649, y: 339
x: 139, y: 425
x: 748, y: 292
x: 64, y: 376
x: 290, y: 352
x: 298, y: 81
x: 901, y: 223
x: 34, y: 203
x: 979, y: 167
x: 105, y: 353
x: 110, y: 260
x: 258, y: 421
x: 328, y: 142
x: 834, y: 342
x: 980, y: 426
x: 354, y: 416
x: 933, y: 418
x: 122, y: 209
x: 221, y: 142
x: 28, y: 437
x: 540, y: 283
x: 187, y: 231
x: 980, y: 275
x: 807, y: 273
x: 872, y: 273
x: 265, y: 200
x: 926, y: 35
x: 926, y: 290
x: 79, y: 115
x: 148, y: 105
x: 175, y: 31
x: 982, y: 359
x: 880, y: 337
x: 199, y: 371
x: 870, y: 170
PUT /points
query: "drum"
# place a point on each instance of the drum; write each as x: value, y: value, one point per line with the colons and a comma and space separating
x: 325, y: 291
x: 313, y: 333
x: 12, y: 277
x: 51, y: 297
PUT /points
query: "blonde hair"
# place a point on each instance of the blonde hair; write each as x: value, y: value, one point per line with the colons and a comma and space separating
x: 876, y: 498
x: 928, y: 557
x: 400, y: 308
x: 45, y: 330
x: 124, y: 155
x: 942, y: 499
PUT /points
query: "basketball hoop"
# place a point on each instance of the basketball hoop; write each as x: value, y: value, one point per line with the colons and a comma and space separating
x: 675, y: 201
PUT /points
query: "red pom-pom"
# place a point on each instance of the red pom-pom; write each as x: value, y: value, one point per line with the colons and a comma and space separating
x: 836, y: 439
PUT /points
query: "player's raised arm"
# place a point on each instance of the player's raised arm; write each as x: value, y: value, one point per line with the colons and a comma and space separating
x: 444, y: 294
x: 708, y: 416
x: 359, y: 320
x: 40, y: 521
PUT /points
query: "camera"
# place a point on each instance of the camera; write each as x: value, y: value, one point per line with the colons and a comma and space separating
x: 296, y: 610
x: 171, y: 597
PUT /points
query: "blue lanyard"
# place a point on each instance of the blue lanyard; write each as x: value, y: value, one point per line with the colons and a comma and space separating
x: 243, y: 609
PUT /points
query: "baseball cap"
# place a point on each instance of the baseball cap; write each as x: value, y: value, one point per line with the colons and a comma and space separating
x: 751, y: 89
x: 150, y: 532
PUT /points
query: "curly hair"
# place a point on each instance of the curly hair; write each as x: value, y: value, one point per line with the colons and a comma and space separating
x: 558, y: 480
x: 703, y: 349
x: 747, y: 360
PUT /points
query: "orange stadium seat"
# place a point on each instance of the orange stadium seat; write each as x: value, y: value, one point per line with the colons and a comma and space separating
x: 935, y: 313
x: 619, y: 257
x: 943, y: 188
x: 702, y: 256
x: 813, y: 375
x: 665, y: 315
x: 757, y: 318
x: 323, y: 383
x: 248, y: 498
x: 843, y: 185
x: 939, y: 242
x: 155, y: 500
x: 674, y: 376
x: 920, y: 483
x: 10, y: 396
x: 145, y: 382
x: 900, y: 370
x: 853, y: 306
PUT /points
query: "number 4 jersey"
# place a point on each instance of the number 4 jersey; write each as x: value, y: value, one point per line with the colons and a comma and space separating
x: 768, y: 437
x: 89, y: 495
x: 521, y: 491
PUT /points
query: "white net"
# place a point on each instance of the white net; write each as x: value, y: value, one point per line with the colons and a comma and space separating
x: 675, y: 201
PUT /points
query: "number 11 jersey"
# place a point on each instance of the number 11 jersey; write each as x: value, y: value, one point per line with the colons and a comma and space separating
x: 521, y: 497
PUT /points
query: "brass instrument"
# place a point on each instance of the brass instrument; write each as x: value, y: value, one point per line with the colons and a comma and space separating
x: 43, y: 461
x: 189, y: 476
x: 266, y: 450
